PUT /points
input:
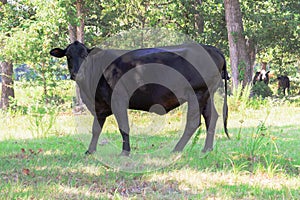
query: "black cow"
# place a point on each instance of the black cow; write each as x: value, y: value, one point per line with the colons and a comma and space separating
x: 284, y: 84
x: 261, y: 76
x: 111, y: 81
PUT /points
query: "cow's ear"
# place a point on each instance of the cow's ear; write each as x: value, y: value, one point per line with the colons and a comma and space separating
x: 58, y: 53
x: 268, y: 72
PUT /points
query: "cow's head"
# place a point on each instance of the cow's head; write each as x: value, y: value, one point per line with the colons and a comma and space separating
x: 261, y: 76
x: 265, y: 76
x: 75, y: 53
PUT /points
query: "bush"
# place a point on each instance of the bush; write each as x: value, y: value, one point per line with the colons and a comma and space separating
x: 260, y: 89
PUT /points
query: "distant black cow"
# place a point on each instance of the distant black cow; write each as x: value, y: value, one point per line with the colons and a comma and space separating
x: 261, y: 76
x: 111, y: 81
x: 284, y: 84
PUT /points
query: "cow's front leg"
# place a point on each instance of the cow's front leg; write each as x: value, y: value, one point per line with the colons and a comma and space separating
x: 97, y: 127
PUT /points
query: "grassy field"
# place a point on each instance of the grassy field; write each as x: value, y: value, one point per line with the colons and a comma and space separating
x: 43, y: 158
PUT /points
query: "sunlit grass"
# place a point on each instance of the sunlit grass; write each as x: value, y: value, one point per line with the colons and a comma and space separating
x: 195, y: 181
x: 274, y: 116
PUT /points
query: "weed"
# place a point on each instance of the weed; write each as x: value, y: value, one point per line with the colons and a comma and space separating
x: 261, y: 151
x: 42, y: 119
x: 237, y: 167
x: 256, y: 141
x: 240, y: 98
x: 271, y: 166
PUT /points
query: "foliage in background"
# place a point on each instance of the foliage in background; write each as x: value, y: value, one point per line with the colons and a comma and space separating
x: 273, y: 27
x: 30, y: 94
x: 39, y: 25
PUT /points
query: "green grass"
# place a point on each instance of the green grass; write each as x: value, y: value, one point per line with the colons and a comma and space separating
x: 261, y: 161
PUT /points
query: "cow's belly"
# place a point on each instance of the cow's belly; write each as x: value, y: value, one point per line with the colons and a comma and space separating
x: 153, y: 97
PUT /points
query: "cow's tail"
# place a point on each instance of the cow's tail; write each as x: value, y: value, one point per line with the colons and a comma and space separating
x: 225, y: 105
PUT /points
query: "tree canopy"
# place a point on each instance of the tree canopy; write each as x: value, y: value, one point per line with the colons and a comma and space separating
x: 29, y: 28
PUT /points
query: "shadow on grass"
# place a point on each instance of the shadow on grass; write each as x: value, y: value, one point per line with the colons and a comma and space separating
x: 56, y: 168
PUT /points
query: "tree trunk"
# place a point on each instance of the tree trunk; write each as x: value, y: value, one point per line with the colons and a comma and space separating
x: 198, y: 19
x: 7, y: 84
x: 252, y: 50
x: 72, y: 33
x: 80, y: 16
x: 239, y: 58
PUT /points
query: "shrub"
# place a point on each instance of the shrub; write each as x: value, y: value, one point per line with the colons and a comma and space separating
x: 260, y: 89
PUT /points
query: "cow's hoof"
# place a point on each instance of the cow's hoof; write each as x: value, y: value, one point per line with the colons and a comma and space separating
x: 125, y: 153
x: 88, y: 152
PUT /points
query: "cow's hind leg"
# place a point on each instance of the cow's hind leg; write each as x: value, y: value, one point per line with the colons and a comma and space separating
x: 97, y: 127
x: 192, y: 123
x: 122, y: 120
x: 210, y: 116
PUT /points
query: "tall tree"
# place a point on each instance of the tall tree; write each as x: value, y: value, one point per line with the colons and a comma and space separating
x: 76, y: 32
x: 7, y: 73
x: 80, y: 18
x: 76, y: 20
x: 239, y: 58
